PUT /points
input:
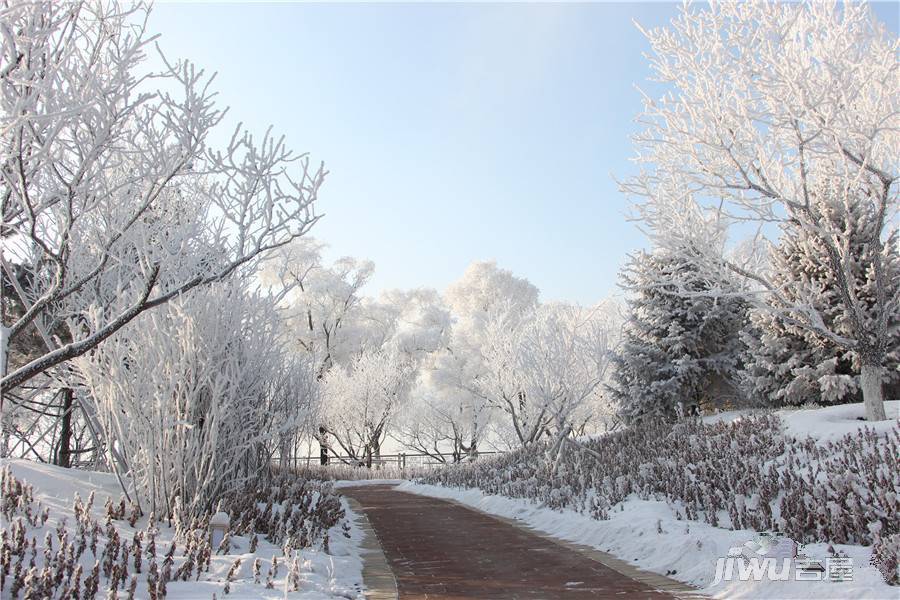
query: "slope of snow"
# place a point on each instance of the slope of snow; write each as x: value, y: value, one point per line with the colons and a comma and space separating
x: 323, y: 576
x: 823, y: 424
x: 833, y: 422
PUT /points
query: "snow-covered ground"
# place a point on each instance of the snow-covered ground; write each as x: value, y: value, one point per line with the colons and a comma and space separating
x: 648, y: 534
x: 823, y: 424
x: 336, y: 574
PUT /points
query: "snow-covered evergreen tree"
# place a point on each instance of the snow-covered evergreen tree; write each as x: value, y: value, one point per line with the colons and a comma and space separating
x: 680, y: 345
x: 790, y: 364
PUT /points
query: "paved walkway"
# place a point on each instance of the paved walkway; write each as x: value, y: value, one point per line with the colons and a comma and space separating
x: 442, y: 550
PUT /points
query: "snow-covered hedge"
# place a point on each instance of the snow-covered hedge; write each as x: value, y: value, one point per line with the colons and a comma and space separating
x: 290, y: 511
x: 342, y: 472
x: 746, y: 474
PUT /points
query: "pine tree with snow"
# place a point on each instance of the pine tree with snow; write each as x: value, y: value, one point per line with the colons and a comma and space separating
x: 788, y: 364
x: 681, y: 341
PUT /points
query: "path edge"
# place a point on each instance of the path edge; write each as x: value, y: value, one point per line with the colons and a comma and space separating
x: 678, y: 589
x: 377, y: 575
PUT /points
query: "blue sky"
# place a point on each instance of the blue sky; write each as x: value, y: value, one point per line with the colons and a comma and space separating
x: 452, y: 132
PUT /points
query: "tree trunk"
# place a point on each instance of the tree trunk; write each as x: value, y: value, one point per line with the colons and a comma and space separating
x: 374, y: 453
x: 323, y: 445
x: 4, y: 349
x: 63, y: 456
x: 870, y: 378
x: 4, y: 352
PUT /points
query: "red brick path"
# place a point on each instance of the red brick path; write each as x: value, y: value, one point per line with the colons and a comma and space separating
x: 441, y: 550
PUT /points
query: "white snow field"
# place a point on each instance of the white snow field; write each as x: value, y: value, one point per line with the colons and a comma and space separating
x: 823, y: 424
x: 322, y: 576
x: 688, y: 550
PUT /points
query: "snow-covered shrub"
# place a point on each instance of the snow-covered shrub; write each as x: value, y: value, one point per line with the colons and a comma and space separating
x: 741, y: 475
x: 195, y: 398
x: 60, y: 567
x: 292, y: 512
x: 16, y: 498
x: 335, y: 471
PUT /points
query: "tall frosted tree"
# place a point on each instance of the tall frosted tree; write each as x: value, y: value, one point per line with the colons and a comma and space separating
x: 459, y: 369
x: 681, y: 342
x: 764, y: 103
x: 115, y: 199
x: 790, y: 364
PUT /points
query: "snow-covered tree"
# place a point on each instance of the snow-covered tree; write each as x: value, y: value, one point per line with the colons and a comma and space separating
x: 450, y: 376
x: 447, y: 389
x: 414, y: 322
x: 417, y: 325
x: 522, y: 419
x: 321, y: 302
x: 566, y: 354
x: 110, y: 187
x: 599, y: 413
x: 543, y: 367
x: 678, y: 342
x: 361, y: 399
x: 788, y: 364
x: 485, y: 286
x: 766, y: 103
x: 335, y: 323
x: 439, y: 420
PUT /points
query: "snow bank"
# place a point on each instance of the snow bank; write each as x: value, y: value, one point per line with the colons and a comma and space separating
x: 834, y: 422
x: 822, y: 424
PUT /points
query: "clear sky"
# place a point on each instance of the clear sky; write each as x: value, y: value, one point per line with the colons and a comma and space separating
x: 452, y: 132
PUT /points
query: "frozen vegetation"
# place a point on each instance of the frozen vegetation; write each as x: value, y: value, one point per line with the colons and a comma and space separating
x: 70, y: 534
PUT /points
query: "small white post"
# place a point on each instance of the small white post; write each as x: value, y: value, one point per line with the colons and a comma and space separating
x: 218, y: 525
